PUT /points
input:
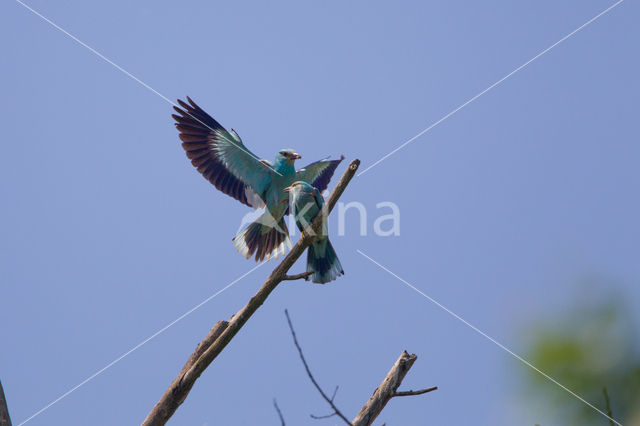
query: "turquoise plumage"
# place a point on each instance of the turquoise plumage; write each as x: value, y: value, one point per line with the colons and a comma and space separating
x: 306, y: 202
x: 222, y: 158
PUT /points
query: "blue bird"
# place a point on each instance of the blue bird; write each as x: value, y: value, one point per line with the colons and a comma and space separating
x: 306, y: 202
x: 222, y: 158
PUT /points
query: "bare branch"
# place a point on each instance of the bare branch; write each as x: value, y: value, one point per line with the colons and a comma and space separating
x: 297, y: 276
x: 386, y: 390
x: 180, y: 387
x: 215, y: 331
x: 5, y: 420
x: 178, y: 390
x: 275, y: 404
x: 336, y: 411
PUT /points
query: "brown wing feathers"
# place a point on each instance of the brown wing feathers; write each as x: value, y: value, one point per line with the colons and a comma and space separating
x: 198, y: 134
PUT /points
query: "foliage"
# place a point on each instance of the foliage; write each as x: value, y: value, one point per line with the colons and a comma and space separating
x: 593, y: 346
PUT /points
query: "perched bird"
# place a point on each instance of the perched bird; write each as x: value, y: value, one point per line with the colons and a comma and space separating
x: 222, y: 158
x: 306, y: 202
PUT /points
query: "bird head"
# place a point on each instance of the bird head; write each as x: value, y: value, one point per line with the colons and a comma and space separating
x: 287, y: 155
x: 299, y: 187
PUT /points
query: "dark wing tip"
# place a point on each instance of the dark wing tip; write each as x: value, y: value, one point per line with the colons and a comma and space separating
x: 183, y: 104
x: 193, y: 104
x: 322, y: 180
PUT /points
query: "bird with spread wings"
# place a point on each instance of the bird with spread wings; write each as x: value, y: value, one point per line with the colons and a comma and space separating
x: 222, y: 158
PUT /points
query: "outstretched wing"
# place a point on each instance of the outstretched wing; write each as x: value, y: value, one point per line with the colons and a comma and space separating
x: 318, y: 174
x: 220, y: 156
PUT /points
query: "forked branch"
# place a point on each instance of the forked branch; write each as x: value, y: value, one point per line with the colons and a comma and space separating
x: 388, y: 389
x: 381, y: 396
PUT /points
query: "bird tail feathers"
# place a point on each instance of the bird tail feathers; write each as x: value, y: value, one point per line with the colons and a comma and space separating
x: 323, y: 261
x: 264, y: 237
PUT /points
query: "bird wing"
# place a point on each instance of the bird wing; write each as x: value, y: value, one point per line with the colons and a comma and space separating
x: 319, y: 200
x: 318, y: 174
x: 221, y: 157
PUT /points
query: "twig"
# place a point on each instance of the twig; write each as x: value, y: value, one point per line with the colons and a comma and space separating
x: 412, y: 392
x: 606, y: 400
x: 297, y: 276
x: 275, y: 404
x: 335, y: 391
x: 5, y: 420
x: 180, y: 387
x: 326, y: 416
x: 336, y: 411
x: 387, y: 390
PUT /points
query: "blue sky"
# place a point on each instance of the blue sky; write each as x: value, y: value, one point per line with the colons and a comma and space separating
x: 108, y: 233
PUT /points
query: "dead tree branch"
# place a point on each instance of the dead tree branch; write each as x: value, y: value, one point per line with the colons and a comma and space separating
x: 336, y: 411
x: 180, y: 387
x: 387, y: 390
x: 178, y: 390
x: 5, y: 420
x: 381, y: 396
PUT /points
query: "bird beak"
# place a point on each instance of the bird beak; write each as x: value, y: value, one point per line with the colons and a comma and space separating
x: 287, y: 189
x: 297, y: 156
